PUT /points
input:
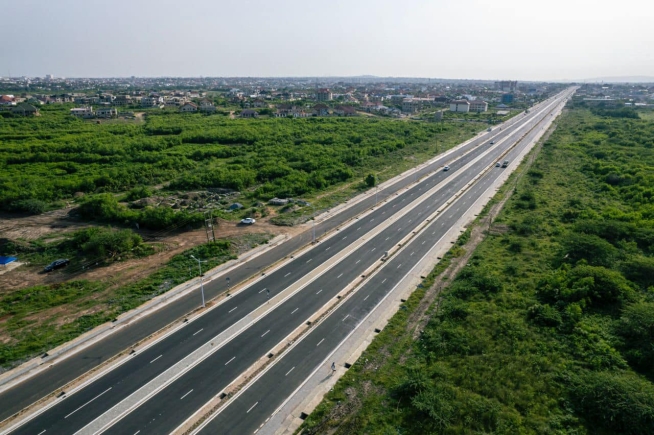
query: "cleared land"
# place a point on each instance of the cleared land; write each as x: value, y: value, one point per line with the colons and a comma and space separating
x: 548, y: 327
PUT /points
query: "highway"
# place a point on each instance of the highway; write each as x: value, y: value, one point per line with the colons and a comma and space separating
x: 204, y: 381
x: 251, y: 409
x: 62, y: 372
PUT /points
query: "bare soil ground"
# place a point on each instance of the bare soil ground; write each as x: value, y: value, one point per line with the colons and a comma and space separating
x: 59, y: 222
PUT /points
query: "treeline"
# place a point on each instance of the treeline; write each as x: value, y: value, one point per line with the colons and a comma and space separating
x: 549, y: 328
x: 51, y: 158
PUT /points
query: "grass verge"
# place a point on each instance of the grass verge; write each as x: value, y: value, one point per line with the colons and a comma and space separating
x: 549, y: 327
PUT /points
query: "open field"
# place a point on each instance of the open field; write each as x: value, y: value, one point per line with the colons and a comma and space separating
x: 549, y: 327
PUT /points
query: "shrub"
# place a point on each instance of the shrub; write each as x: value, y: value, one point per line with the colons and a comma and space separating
x: 613, y: 402
x: 593, y: 249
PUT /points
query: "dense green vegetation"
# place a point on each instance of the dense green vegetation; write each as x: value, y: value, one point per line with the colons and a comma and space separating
x: 51, y: 158
x: 550, y: 327
x: 38, y: 318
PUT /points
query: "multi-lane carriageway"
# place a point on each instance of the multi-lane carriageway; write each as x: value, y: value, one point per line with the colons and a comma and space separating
x: 166, y: 402
x: 63, y: 371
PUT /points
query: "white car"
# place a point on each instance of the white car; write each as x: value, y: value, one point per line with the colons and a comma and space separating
x: 247, y: 221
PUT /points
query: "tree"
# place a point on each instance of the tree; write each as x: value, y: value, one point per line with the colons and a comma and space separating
x: 371, y: 180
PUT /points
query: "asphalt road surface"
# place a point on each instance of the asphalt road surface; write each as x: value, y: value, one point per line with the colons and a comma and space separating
x: 29, y: 391
x: 249, y: 411
x: 74, y: 412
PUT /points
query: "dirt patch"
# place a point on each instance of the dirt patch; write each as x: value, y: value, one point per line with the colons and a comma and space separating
x: 126, y: 271
x: 33, y: 227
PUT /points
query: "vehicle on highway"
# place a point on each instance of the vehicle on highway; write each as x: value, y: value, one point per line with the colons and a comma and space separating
x: 57, y: 264
x: 489, y: 129
x: 446, y: 168
x: 492, y: 142
x: 498, y: 164
x: 505, y: 163
x: 247, y: 221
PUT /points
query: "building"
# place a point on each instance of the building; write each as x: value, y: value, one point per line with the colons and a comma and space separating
x: 82, y: 112
x: 507, y: 98
x: 320, y: 110
x: 478, y: 106
x: 345, y: 111
x: 507, y: 85
x: 249, y: 113
x: 411, y: 105
x: 122, y: 100
x: 207, y: 106
x: 462, y: 106
x: 324, y: 94
x: 188, y: 108
x: 152, y: 100
x: 7, y: 100
x: 24, y: 109
x: 287, y: 110
x: 106, y: 112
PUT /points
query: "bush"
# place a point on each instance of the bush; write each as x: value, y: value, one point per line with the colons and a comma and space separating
x: 31, y: 206
x: 593, y: 249
x: 588, y: 285
x: 636, y: 327
x: 613, y: 402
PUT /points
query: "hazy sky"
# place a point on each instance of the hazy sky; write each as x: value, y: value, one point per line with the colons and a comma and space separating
x: 521, y: 39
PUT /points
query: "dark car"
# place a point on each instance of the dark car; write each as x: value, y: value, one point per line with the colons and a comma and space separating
x: 57, y: 264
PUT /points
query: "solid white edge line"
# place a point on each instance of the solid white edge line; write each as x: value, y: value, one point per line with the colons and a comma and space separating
x: 208, y: 420
x: 88, y: 402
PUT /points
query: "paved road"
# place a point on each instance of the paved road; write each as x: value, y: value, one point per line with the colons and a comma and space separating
x: 179, y: 400
x: 249, y: 411
x: 145, y: 366
x: 33, y: 389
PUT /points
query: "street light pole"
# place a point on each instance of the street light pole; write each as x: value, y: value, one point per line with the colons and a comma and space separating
x: 201, y: 280
x: 313, y: 226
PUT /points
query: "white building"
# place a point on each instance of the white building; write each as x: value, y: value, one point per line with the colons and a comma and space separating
x: 462, y: 106
x: 82, y: 112
x: 478, y: 106
x: 106, y: 112
x: 153, y: 100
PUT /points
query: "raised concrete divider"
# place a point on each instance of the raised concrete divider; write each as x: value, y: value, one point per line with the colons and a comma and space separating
x: 331, y: 306
x: 58, y: 354
x: 11, y: 378
x: 217, y: 342
x: 304, y: 400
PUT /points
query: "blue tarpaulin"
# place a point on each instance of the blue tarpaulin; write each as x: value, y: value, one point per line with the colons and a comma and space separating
x: 6, y: 260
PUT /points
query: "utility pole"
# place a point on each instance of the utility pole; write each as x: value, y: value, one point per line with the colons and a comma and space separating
x: 208, y: 226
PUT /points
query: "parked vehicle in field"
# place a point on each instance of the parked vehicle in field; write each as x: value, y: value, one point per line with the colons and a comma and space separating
x: 57, y: 264
x: 247, y: 221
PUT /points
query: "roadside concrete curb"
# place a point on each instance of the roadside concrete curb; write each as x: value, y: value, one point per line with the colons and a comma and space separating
x: 35, y: 365
x: 287, y: 418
